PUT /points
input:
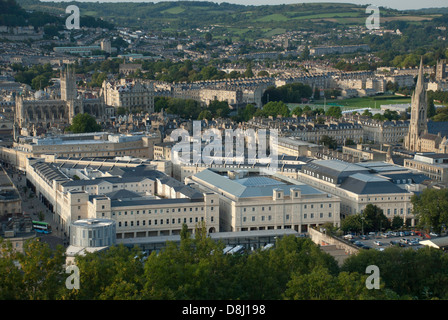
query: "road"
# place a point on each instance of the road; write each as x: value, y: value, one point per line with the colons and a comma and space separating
x: 32, y: 206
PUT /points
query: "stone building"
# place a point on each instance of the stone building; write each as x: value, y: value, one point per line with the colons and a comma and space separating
x: 251, y: 201
x: 130, y: 95
x: 45, y: 111
x: 142, y: 201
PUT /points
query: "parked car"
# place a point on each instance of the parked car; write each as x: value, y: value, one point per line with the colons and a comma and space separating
x: 348, y: 236
x: 358, y: 244
x: 364, y: 237
x: 433, y: 234
x: 378, y: 243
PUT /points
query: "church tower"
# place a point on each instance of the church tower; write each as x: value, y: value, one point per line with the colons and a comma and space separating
x: 441, y: 70
x: 68, y: 84
x: 419, y: 106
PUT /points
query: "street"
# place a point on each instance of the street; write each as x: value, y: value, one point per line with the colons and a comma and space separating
x: 32, y: 206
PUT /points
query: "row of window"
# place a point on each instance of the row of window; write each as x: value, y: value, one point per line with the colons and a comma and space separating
x: 287, y: 217
x: 150, y: 211
x: 161, y: 221
x: 305, y: 206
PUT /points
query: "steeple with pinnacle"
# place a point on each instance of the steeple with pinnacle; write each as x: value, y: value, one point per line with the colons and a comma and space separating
x: 418, y: 124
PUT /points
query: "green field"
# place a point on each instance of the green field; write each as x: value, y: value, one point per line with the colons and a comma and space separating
x: 329, y: 15
x: 272, y: 17
x: 175, y: 10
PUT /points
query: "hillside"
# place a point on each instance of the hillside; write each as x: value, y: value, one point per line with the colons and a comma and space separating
x: 227, y: 20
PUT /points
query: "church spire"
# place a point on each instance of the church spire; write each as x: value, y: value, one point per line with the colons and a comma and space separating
x: 418, y: 123
x: 420, y: 86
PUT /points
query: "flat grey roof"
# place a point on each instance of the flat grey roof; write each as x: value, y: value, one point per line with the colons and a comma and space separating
x: 214, y: 236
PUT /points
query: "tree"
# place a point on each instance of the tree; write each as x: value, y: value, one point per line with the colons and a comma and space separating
x: 208, y: 37
x: 246, y: 113
x: 249, y: 73
x: 349, y: 142
x: 219, y: 109
x: 83, y: 122
x: 274, y: 109
x: 396, y: 223
x: 42, y: 275
x: 316, y: 93
x: 375, y: 220
x: 11, y: 285
x: 431, y: 108
x: 367, y: 113
x: 408, y: 273
x: 319, y: 284
x: 352, y: 223
x: 115, y: 273
x: 431, y: 208
x: 40, y: 82
x: 334, y: 111
x: 205, y: 115
x: 305, y: 55
x: 329, y: 142
x: 297, y: 111
x: 391, y: 115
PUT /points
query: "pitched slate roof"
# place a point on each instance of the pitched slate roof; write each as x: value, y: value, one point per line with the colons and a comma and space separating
x: 360, y: 183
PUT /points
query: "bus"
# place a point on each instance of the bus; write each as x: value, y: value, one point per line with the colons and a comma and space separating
x: 41, y: 227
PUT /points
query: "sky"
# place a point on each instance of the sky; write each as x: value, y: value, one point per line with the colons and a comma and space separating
x: 394, y: 4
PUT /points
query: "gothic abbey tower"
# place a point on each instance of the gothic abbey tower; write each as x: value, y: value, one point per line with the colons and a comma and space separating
x: 419, y: 106
x: 68, y: 84
x: 46, y: 112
